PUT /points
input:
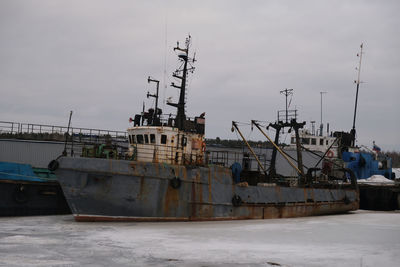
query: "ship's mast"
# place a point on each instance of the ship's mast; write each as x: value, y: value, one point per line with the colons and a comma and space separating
x: 156, y: 112
x: 181, y: 74
x: 290, y: 121
x: 353, y: 130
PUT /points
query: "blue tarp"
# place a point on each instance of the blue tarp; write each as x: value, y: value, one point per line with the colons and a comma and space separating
x: 364, y: 165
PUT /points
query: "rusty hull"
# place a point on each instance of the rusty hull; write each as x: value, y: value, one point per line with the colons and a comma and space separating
x: 117, y: 190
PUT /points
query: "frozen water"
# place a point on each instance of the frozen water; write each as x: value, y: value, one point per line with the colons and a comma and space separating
x: 361, y: 238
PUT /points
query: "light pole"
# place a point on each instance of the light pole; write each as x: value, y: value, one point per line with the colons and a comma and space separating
x: 321, y: 126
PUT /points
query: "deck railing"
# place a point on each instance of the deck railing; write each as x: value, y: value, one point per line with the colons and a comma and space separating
x: 30, y: 129
x: 227, y: 158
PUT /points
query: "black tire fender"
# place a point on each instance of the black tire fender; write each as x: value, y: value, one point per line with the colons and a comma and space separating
x: 236, y: 201
x: 175, y: 182
x: 53, y: 165
x: 20, y: 195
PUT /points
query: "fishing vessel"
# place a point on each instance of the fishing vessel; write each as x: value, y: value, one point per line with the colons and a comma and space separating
x: 363, y: 161
x: 166, y: 175
x: 337, y: 150
x: 340, y: 149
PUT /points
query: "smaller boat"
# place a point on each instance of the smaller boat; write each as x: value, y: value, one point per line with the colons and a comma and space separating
x: 25, y: 190
x: 26, y: 186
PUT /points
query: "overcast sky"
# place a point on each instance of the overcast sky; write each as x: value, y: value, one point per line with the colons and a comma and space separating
x: 94, y: 57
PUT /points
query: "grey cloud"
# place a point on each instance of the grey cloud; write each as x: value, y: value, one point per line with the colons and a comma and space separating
x: 94, y: 57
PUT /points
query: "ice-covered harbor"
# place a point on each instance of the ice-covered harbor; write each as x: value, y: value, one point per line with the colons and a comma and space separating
x: 361, y: 238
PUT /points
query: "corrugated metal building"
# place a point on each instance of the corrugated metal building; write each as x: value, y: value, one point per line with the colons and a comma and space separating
x: 35, y: 153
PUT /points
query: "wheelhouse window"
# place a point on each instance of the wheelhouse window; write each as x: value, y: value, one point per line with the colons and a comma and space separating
x: 152, y: 138
x: 313, y: 141
x: 321, y: 142
x: 130, y: 139
x: 139, y: 138
x: 146, y: 138
x: 305, y: 141
x: 163, y: 139
x: 293, y: 140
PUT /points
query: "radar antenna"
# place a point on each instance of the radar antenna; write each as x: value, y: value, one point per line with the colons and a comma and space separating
x: 287, y: 92
x: 156, y: 109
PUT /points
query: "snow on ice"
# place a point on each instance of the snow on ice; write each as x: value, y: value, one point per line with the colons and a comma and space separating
x: 376, y: 179
x: 360, y: 238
